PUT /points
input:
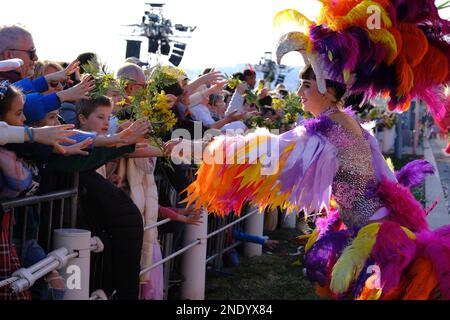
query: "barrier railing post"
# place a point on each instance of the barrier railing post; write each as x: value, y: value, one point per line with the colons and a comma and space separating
x: 254, y: 225
x: 76, y: 273
x: 194, y: 261
x: 289, y: 219
x: 74, y: 201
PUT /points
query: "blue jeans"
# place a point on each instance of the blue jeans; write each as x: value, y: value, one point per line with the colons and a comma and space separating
x: 33, y: 254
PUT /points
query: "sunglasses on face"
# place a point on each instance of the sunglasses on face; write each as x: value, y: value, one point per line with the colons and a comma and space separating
x: 31, y: 53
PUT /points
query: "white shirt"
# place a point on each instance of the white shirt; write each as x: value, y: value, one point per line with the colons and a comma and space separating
x: 236, y: 103
x: 113, y: 125
x: 201, y: 113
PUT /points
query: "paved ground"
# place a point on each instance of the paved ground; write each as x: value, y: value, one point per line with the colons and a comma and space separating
x: 443, y: 163
x: 438, y: 186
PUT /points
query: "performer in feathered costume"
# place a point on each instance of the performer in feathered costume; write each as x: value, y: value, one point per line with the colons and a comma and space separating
x: 374, y: 242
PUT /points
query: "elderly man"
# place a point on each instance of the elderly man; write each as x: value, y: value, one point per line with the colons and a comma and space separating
x: 134, y: 76
x: 16, y: 42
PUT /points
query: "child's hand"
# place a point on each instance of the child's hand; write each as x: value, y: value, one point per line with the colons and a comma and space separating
x: 136, y: 131
x: 192, y: 219
x: 63, y: 74
x: 77, y: 92
x: 188, y: 211
x: 76, y: 149
x: 271, y: 244
x: 54, y: 135
x: 55, y: 280
x: 124, y: 126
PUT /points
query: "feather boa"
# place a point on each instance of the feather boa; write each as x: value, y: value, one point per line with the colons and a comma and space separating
x: 320, y: 259
x: 403, y: 207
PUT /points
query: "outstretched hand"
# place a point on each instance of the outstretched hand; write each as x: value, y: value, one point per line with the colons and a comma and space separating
x: 136, y: 132
x: 79, y: 91
x: 236, y: 116
x: 54, y: 135
x: 271, y: 244
x: 77, y: 148
x: 193, y: 219
x: 63, y: 75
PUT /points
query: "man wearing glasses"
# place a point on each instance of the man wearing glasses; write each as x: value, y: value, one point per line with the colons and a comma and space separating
x: 16, y: 42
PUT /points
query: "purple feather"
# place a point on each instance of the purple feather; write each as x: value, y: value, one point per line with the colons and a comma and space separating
x: 323, y: 224
x: 414, y: 173
x: 321, y: 125
x: 343, y: 47
x: 319, y: 260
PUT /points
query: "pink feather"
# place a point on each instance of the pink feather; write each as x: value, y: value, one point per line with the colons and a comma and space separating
x: 435, y: 246
x: 403, y: 207
x: 439, y: 106
x: 393, y: 251
x: 324, y: 224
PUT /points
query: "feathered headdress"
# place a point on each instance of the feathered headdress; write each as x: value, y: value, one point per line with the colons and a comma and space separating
x: 397, y: 48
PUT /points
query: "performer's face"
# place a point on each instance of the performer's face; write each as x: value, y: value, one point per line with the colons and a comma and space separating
x: 312, y: 100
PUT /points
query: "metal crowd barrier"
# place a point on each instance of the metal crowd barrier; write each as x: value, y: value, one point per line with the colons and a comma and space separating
x: 21, y: 207
x: 215, y: 238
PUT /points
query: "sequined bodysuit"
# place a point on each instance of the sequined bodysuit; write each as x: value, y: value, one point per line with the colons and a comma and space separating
x: 354, y: 186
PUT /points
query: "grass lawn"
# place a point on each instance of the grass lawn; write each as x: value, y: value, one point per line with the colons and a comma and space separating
x: 270, y: 276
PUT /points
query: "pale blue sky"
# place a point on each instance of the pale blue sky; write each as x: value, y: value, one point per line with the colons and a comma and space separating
x: 228, y: 31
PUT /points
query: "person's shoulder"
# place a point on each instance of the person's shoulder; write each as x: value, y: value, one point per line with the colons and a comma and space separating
x: 348, y: 122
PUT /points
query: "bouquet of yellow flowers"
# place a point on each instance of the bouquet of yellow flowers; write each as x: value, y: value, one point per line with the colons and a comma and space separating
x: 152, y: 103
x: 155, y: 107
x: 291, y: 107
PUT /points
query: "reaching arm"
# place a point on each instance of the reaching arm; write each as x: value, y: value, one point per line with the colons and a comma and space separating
x: 11, y: 134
